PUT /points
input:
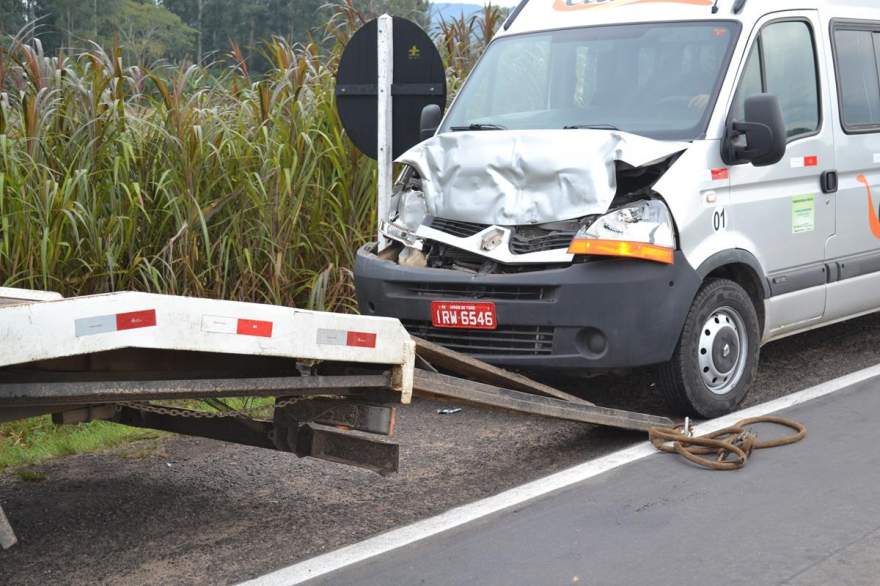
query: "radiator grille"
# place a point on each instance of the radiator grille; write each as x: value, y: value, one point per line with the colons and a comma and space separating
x: 505, y: 341
x: 480, y: 292
x: 523, y: 240
x: 520, y: 243
x: 456, y: 228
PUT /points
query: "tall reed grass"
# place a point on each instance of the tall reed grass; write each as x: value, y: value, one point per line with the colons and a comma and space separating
x: 189, y: 179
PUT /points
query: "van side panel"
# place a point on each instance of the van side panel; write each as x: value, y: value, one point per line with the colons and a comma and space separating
x: 781, y: 208
x: 854, y: 251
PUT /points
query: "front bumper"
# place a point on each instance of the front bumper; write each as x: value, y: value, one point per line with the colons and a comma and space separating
x: 599, y: 315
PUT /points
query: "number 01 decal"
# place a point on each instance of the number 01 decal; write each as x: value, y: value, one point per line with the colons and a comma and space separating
x: 719, y: 219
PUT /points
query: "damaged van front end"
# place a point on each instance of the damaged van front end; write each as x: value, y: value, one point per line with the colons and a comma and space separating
x: 554, y: 218
x: 535, y: 249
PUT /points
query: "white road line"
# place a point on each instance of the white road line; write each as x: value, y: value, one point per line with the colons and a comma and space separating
x: 397, y: 538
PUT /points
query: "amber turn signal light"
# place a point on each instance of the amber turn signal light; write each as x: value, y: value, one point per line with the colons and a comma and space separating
x: 622, y: 248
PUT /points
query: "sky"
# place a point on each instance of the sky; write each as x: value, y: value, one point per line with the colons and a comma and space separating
x: 496, y: 2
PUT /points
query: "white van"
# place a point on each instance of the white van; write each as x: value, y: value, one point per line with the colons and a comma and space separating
x: 625, y: 183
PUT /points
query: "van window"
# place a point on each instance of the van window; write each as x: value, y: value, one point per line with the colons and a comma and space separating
x: 856, y: 53
x: 751, y: 84
x: 658, y: 80
x: 518, y: 84
x: 783, y: 62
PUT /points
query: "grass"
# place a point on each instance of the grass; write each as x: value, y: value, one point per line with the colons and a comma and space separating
x: 31, y: 475
x: 31, y: 441
x: 185, y: 180
x: 198, y: 180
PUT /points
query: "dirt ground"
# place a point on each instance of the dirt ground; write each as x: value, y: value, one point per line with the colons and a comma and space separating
x: 190, y: 511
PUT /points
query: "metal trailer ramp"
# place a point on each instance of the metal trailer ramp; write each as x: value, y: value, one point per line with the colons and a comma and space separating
x: 488, y: 386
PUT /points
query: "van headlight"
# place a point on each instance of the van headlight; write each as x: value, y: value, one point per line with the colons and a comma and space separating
x: 641, y: 230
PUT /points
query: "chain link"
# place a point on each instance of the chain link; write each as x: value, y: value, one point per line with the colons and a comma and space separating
x: 187, y: 413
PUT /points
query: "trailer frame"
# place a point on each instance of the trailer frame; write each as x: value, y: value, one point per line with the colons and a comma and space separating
x: 336, y: 379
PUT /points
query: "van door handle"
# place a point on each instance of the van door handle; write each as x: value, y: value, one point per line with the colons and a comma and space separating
x: 829, y: 182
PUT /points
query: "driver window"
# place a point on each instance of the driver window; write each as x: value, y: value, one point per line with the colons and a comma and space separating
x: 782, y: 62
x: 751, y: 83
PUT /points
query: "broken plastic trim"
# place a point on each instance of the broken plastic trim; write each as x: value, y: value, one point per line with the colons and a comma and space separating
x: 401, y: 235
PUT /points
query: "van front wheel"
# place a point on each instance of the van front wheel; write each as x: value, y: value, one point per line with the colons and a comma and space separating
x: 717, y: 356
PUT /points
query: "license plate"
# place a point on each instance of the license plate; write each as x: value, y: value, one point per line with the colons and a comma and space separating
x: 459, y: 315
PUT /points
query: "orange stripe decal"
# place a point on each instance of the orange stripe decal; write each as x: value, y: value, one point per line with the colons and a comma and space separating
x: 873, y: 219
x: 569, y: 5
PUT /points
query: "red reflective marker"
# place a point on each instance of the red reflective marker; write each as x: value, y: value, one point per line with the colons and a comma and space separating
x: 135, y: 319
x: 361, y: 340
x: 253, y: 327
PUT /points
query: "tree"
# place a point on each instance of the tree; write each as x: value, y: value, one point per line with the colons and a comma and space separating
x: 150, y: 29
x: 12, y: 16
x: 418, y: 11
x: 192, y: 13
x: 246, y: 22
x: 149, y: 32
x: 219, y: 22
x: 304, y: 17
x: 66, y: 23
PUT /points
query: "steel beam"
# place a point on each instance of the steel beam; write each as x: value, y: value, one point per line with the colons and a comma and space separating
x: 58, y: 393
x: 468, y: 367
x: 348, y: 447
x: 364, y: 417
x: 84, y: 415
x: 226, y: 429
x: 448, y: 387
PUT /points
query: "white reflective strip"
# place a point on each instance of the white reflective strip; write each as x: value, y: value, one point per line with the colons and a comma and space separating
x: 798, y: 163
x: 877, y: 158
x: 332, y: 337
x: 219, y: 325
x: 90, y: 326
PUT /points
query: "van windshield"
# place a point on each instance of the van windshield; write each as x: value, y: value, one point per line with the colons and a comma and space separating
x: 658, y: 80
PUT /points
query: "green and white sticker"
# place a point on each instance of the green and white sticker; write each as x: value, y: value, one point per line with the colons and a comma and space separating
x: 803, y: 214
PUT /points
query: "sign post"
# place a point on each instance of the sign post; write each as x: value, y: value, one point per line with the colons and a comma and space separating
x: 390, y: 70
x: 385, y: 144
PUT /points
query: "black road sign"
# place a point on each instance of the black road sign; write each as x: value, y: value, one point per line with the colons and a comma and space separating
x: 419, y: 80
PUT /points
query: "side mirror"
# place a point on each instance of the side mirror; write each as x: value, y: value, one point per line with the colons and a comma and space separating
x: 432, y: 115
x: 764, y: 131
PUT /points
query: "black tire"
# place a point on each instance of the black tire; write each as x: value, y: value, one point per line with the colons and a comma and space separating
x: 685, y: 381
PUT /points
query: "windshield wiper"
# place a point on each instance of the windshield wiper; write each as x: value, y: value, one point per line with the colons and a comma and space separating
x: 478, y: 126
x: 591, y: 127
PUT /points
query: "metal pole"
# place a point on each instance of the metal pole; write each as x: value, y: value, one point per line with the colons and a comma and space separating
x: 386, y: 78
x: 7, y: 537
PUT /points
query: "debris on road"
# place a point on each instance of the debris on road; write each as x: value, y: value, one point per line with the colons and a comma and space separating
x: 7, y: 537
x: 449, y: 411
x: 732, y: 445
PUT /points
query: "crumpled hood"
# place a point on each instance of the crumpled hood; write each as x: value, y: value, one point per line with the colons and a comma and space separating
x: 519, y: 177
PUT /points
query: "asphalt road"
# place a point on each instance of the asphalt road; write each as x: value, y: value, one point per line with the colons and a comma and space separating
x: 190, y: 511
x: 806, y: 514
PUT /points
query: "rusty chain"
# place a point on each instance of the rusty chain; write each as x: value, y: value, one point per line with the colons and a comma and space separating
x: 731, y: 446
x: 190, y: 414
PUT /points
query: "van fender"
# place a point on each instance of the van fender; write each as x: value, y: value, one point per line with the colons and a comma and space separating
x: 735, y: 256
